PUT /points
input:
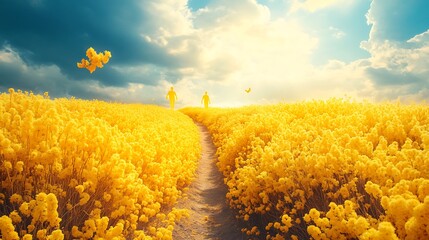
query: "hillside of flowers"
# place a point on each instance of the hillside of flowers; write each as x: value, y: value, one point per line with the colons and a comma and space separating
x: 78, y: 169
x: 334, y: 169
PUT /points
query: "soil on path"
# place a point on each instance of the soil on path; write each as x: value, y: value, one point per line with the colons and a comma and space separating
x: 210, y: 215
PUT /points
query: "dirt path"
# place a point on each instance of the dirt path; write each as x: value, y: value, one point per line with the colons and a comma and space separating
x: 210, y: 216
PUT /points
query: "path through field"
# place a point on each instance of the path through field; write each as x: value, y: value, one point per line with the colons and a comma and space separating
x: 210, y: 216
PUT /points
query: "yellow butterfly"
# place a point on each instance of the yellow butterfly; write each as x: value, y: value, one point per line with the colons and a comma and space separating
x: 248, y: 90
x: 94, y: 60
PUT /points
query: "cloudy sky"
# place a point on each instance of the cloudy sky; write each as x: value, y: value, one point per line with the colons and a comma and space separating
x: 284, y: 50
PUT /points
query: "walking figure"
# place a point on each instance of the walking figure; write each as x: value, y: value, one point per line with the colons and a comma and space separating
x: 206, y: 100
x: 171, y: 95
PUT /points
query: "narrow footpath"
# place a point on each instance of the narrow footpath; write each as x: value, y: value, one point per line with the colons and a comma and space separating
x: 210, y: 215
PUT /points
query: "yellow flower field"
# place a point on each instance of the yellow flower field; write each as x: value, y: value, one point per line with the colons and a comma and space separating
x: 90, y: 169
x: 334, y: 169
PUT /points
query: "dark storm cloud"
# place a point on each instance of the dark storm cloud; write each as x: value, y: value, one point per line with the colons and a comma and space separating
x: 58, y: 33
x: 15, y: 74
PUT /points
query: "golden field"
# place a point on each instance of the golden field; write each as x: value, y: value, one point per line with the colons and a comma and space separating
x: 334, y: 169
x: 81, y: 169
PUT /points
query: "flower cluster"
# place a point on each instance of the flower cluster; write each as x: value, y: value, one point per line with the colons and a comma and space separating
x: 94, y: 60
x: 82, y: 169
x: 336, y: 168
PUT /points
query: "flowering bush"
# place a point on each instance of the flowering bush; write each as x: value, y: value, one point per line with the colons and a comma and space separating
x: 332, y: 169
x: 90, y: 169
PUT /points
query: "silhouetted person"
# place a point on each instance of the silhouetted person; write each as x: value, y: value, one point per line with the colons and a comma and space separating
x: 206, y: 100
x: 171, y: 95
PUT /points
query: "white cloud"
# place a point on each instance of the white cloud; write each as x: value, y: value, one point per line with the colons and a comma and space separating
x: 397, y: 70
x: 315, y: 5
x: 240, y: 46
x: 422, y: 38
x: 371, y: 20
x: 7, y: 55
x: 166, y: 19
x: 399, y: 56
x: 337, y: 33
x: 236, y: 45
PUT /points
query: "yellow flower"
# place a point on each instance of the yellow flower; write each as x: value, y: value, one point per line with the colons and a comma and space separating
x: 83, y: 64
x: 30, y: 228
x: 19, y: 166
x: 314, y: 214
x: 16, y: 198
x: 373, y: 189
x: 7, y: 229
x: 41, y: 234
x: 84, y: 198
x: 15, y: 217
x: 76, y: 233
x: 7, y: 165
x: 314, y: 231
x: 27, y: 237
x: 80, y: 189
x: 94, y: 60
x: 56, y: 235
x: 107, y: 197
